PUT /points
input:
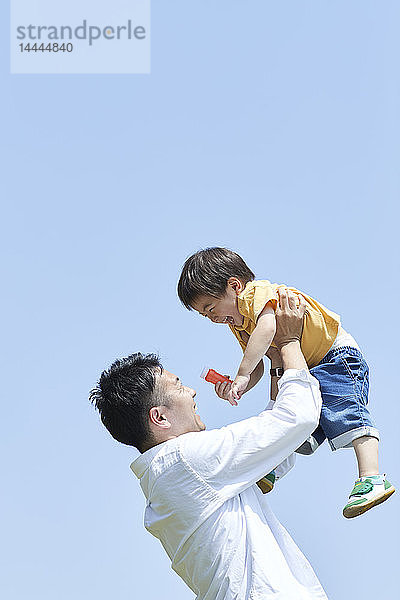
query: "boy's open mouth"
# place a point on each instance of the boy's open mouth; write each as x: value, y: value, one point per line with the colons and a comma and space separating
x: 229, y: 320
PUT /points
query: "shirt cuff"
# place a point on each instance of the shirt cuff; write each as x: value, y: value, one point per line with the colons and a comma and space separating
x: 297, y: 375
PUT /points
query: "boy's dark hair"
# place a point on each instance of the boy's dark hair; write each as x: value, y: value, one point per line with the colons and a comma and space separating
x: 124, y: 395
x: 206, y: 273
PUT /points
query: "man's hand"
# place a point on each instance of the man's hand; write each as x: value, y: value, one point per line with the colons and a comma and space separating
x: 289, y: 317
x: 223, y: 388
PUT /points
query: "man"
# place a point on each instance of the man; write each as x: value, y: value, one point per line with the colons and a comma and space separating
x: 203, y: 503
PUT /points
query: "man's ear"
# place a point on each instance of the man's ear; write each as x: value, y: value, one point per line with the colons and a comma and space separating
x: 235, y: 284
x: 157, y: 416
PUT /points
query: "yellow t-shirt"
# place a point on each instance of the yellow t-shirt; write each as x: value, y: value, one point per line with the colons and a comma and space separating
x: 320, y: 324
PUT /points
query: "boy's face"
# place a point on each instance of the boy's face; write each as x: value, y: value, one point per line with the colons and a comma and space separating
x: 222, y: 310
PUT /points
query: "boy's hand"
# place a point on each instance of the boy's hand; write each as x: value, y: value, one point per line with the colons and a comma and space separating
x: 238, y: 388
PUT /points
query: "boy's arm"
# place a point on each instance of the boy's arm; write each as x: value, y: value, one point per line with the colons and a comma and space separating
x: 222, y: 388
x: 256, y: 375
x: 259, y: 342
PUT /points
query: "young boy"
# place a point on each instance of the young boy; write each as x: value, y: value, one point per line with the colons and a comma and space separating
x: 218, y: 284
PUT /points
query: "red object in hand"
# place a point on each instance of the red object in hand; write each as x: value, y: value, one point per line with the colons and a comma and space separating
x: 213, y: 376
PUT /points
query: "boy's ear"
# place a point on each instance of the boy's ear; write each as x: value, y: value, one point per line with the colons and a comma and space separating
x: 235, y: 284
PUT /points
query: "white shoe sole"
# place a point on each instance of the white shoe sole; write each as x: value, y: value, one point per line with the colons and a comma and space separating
x: 359, y: 509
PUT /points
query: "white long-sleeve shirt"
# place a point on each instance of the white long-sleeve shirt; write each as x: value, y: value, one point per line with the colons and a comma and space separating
x: 211, y: 518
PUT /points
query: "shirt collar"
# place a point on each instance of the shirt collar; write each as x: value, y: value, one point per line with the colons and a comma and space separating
x: 141, y: 464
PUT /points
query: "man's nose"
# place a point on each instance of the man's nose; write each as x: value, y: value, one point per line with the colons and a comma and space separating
x: 191, y: 391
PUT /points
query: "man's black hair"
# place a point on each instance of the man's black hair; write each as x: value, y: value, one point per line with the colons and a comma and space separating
x: 124, y: 395
x: 206, y: 273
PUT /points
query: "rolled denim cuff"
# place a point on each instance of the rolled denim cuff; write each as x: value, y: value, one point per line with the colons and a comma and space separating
x: 345, y: 439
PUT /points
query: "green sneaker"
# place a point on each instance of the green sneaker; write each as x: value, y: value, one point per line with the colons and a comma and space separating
x: 266, y: 484
x: 366, y: 494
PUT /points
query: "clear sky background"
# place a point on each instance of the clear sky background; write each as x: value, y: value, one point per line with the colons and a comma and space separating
x: 269, y: 127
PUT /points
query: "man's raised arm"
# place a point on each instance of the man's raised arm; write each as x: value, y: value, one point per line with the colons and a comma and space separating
x: 289, y: 319
x: 236, y: 456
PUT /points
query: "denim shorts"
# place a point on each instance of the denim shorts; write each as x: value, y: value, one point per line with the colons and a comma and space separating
x: 343, y: 377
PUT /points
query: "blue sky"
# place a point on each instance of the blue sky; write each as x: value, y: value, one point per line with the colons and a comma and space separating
x: 271, y: 128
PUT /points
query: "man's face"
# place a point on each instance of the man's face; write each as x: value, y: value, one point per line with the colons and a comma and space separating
x: 181, y: 409
x: 220, y: 310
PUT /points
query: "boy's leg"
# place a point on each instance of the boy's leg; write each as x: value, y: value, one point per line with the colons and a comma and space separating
x: 317, y: 438
x: 344, y: 381
x: 313, y: 442
x: 371, y: 488
x: 366, y: 449
x: 345, y: 418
